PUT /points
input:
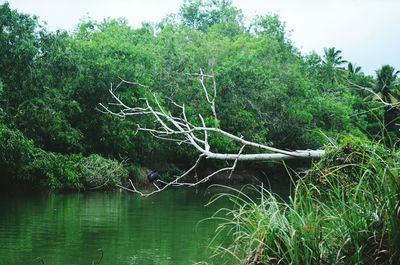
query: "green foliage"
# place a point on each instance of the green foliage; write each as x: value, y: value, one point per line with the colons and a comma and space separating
x: 15, y: 150
x: 45, y: 121
x: 52, y: 171
x: 344, y: 211
x: 203, y: 15
x: 267, y: 91
x: 19, y: 47
x: 170, y: 172
x: 23, y: 163
x: 386, y: 89
x: 137, y: 174
x: 332, y: 62
x: 271, y: 26
x: 74, y: 172
x: 52, y: 136
x: 386, y: 84
x: 99, y: 172
x: 353, y: 70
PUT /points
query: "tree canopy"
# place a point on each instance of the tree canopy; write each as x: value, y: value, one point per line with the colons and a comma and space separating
x: 52, y: 84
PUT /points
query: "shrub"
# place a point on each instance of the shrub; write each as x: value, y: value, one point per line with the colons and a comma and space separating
x: 346, y: 210
x: 22, y: 162
x: 15, y: 151
x: 99, y: 172
x: 74, y: 172
x: 54, y: 171
x: 137, y: 174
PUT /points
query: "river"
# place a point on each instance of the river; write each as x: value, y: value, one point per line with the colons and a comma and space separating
x: 70, y: 228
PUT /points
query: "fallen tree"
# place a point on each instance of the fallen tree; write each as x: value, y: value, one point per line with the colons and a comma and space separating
x: 182, y: 130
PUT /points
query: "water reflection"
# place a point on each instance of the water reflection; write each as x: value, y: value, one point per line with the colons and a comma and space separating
x: 70, y: 228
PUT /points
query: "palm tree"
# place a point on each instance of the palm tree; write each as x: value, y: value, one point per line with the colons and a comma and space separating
x: 353, y: 69
x: 332, y: 63
x: 387, y: 90
x: 387, y: 87
x: 333, y: 57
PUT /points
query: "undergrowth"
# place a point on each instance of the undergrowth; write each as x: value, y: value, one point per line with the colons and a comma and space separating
x: 345, y: 210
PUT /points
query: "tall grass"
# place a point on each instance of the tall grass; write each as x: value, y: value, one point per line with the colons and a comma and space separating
x: 344, y: 211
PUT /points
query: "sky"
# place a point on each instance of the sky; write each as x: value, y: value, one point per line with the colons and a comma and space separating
x: 367, y: 31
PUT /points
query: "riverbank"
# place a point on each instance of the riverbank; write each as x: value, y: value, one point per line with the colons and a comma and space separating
x: 25, y: 166
x: 346, y: 210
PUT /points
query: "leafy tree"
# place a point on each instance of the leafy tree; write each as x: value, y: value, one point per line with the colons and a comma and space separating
x: 202, y: 15
x: 353, y: 69
x: 333, y: 57
x: 267, y: 90
x: 332, y: 63
x: 19, y: 47
x: 15, y: 152
x: 387, y: 87
x: 271, y: 26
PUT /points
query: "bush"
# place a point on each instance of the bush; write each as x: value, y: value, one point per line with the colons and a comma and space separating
x: 137, y: 174
x: 99, y: 172
x: 346, y: 210
x: 54, y: 171
x: 22, y: 162
x: 74, y: 172
x: 15, y: 151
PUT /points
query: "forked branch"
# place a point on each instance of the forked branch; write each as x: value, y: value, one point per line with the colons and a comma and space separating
x: 182, y: 130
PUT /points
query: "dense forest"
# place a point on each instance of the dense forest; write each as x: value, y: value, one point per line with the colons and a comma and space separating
x: 54, y: 135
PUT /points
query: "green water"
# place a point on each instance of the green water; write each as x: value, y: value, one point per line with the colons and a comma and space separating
x: 70, y: 228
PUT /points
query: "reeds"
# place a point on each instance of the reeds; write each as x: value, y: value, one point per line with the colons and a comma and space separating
x: 344, y: 211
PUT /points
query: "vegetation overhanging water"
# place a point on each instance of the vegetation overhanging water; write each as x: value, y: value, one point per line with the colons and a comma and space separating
x: 53, y: 137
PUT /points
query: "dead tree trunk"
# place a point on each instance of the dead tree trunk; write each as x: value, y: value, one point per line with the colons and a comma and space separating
x: 181, y: 130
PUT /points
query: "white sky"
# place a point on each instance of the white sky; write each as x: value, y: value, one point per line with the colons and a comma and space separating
x: 367, y: 31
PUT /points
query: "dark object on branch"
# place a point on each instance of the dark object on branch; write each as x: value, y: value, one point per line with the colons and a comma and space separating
x: 153, y: 175
x: 180, y: 130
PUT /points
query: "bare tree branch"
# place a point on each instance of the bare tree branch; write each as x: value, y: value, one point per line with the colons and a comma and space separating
x: 180, y: 129
x: 376, y: 95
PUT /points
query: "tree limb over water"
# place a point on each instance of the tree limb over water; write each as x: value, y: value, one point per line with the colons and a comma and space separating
x: 181, y: 129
